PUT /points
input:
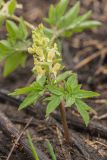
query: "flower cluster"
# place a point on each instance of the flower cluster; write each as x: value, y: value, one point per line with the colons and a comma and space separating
x: 47, y: 59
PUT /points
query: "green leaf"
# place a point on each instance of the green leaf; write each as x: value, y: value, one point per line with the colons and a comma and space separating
x: 52, y: 15
x: 32, y: 147
x: 55, y: 90
x: 12, y: 62
x: 88, y: 24
x: 72, y: 82
x: 37, y: 86
x: 61, y: 8
x: 47, y: 20
x: 11, y: 28
x: 22, y: 90
x: 5, y: 49
x: 83, y: 109
x: 23, y: 59
x: 53, y: 104
x: 68, y: 18
x: 30, y: 99
x: 86, y: 94
x: 62, y: 76
x: 67, y: 34
x: 48, y: 32
x: 79, y: 20
x: 4, y: 46
x: 42, y: 80
x: 70, y: 100
x: 51, y: 151
x: 12, y: 6
x: 22, y: 30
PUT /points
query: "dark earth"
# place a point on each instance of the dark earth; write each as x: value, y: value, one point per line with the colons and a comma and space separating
x: 85, y: 53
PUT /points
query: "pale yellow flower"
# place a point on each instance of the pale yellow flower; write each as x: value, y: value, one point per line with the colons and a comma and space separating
x: 56, y: 68
x: 39, y: 52
x: 36, y: 62
x: 40, y: 72
x: 46, y: 58
x: 51, y: 55
x: 31, y: 50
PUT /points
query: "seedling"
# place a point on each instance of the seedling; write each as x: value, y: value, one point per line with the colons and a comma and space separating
x: 62, y: 89
x: 32, y: 147
x: 34, y: 152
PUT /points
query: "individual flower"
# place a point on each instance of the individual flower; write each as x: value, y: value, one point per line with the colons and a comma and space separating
x: 51, y: 55
x: 40, y: 53
x: 56, y: 68
x: 39, y: 71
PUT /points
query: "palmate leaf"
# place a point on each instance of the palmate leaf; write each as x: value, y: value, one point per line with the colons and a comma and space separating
x: 69, y: 22
x: 74, y: 95
x: 53, y: 104
x: 83, y: 109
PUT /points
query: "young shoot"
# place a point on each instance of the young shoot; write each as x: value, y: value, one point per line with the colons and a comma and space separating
x: 34, y: 152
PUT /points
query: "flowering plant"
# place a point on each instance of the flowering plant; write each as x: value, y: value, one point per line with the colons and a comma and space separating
x: 62, y: 89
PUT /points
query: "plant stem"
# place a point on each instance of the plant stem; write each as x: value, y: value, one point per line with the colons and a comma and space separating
x: 64, y: 121
x: 17, y: 19
x: 56, y: 34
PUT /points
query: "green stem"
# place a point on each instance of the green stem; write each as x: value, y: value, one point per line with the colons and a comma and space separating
x: 56, y: 34
x: 17, y: 19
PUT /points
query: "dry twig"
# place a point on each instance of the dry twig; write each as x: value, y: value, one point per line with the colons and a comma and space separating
x: 18, y: 138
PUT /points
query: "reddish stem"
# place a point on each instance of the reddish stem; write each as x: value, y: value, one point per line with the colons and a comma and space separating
x: 64, y: 121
